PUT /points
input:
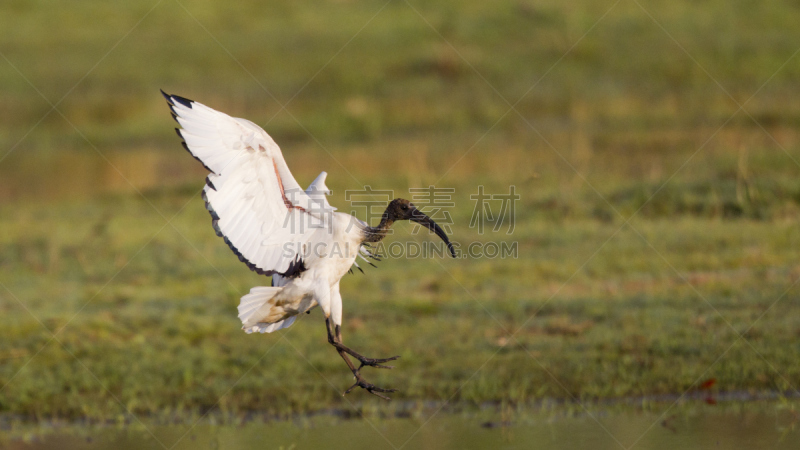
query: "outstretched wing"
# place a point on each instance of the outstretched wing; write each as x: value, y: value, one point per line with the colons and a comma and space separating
x: 255, y: 203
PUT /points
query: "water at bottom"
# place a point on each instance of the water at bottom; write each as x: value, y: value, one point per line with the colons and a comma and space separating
x: 749, y: 426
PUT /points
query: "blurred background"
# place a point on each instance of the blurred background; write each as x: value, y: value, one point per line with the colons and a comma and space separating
x: 654, y: 146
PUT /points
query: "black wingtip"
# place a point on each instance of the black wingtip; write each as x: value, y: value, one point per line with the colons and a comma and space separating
x: 182, y: 100
x: 172, y: 99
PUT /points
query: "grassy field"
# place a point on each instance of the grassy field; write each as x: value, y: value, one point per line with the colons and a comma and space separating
x: 657, y: 227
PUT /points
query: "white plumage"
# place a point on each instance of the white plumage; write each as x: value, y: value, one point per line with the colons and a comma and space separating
x: 279, y: 229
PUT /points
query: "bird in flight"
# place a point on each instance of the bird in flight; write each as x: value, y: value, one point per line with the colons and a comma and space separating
x: 280, y: 230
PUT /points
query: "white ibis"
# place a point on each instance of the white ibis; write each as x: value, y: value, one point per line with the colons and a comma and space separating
x: 280, y: 230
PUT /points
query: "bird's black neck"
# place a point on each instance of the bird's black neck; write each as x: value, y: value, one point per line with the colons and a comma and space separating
x: 376, y: 234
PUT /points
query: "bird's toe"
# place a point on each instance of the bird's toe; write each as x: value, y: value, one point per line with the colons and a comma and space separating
x: 377, y: 362
x: 371, y: 388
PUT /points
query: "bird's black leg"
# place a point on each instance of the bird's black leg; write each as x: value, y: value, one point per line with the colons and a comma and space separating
x: 336, y: 341
x: 372, y: 362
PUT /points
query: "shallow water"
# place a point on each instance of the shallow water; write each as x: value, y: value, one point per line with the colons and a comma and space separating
x: 755, y: 425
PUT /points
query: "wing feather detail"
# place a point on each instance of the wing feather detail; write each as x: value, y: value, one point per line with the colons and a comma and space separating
x: 255, y: 203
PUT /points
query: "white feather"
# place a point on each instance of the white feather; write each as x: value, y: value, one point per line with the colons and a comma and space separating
x: 269, y: 220
x: 256, y: 305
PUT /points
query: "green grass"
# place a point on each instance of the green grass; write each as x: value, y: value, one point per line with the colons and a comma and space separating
x: 626, y: 125
x: 162, y: 334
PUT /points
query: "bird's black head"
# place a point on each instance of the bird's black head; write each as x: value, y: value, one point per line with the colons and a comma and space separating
x: 402, y: 209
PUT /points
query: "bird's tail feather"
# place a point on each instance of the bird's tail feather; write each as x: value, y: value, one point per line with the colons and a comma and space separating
x: 270, y: 327
x: 256, y: 308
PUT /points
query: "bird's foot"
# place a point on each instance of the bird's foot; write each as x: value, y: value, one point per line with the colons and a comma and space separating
x: 375, y: 362
x: 372, y: 362
x: 371, y: 388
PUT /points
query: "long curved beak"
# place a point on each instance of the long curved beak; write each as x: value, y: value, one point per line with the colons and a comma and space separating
x: 422, y: 219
